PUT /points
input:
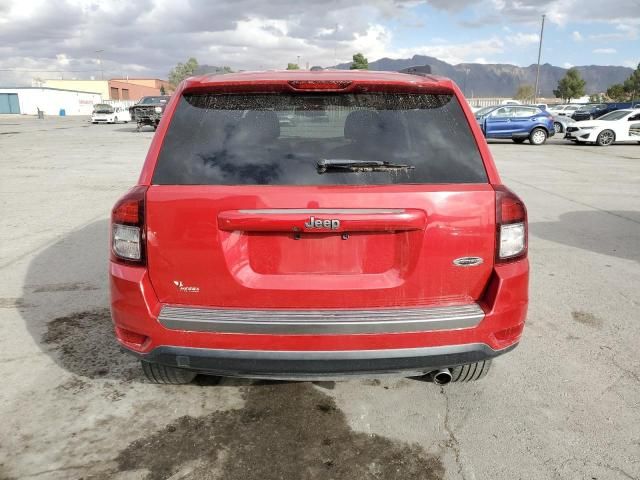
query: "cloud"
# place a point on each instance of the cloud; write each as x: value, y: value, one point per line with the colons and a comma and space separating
x: 458, y: 53
x: 604, y: 50
x: 559, y: 12
x: 625, y: 30
x: 452, y: 5
x: 60, y: 37
x: 522, y: 39
x: 577, y: 36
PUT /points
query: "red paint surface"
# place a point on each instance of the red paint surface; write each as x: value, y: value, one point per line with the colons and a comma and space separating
x: 195, y: 235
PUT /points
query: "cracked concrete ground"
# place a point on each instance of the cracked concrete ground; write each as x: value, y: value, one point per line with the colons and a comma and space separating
x: 564, y: 405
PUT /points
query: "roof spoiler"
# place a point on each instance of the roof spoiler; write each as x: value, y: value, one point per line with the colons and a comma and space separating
x: 422, y: 70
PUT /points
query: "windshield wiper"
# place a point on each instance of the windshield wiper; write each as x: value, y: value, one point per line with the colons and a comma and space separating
x: 327, y: 164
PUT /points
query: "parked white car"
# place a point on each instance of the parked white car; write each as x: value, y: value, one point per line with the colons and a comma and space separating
x: 616, y: 126
x: 565, y: 110
x: 557, y: 108
x: 104, y: 113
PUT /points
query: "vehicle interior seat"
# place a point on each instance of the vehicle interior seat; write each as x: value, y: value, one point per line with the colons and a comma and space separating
x: 362, y: 129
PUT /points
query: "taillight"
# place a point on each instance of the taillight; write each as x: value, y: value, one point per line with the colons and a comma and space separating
x: 511, y: 226
x: 128, y: 227
x: 315, y: 85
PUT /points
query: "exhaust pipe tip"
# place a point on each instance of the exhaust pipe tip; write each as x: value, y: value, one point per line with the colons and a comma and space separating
x: 441, y: 377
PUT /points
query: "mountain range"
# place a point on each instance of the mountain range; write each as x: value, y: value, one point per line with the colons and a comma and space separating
x: 503, y: 80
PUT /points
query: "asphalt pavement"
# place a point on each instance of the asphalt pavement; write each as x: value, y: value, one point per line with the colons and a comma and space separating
x: 565, y: 404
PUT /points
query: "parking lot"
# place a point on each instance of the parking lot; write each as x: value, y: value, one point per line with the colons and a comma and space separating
x: 564, y: 405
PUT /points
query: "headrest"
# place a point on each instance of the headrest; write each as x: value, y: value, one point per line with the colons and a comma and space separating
x: 361, y: 125
x: 257, y: 126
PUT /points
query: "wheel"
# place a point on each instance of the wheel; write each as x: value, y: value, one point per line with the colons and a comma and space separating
x: 538, y: 136
x: 605, y: 137
x: 162, y: 374
x: 518, y: 140
x: 470, y: 372
x: 557, y: 126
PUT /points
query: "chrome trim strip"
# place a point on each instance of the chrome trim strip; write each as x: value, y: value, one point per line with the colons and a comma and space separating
x: 310, y: 211
x: 318, y: 322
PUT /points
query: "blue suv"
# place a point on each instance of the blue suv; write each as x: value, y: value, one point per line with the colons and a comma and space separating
x: 517, y: 122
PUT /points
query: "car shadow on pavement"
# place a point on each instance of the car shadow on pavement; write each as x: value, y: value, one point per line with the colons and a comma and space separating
x: 613, y: 233
x: 65, y: 305
x: 134, y: 129
x: 282, y: 429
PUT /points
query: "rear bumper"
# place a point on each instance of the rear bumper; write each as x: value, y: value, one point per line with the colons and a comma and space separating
x: 310, y: 365
x: 320, y: 322
x: 256, y: 345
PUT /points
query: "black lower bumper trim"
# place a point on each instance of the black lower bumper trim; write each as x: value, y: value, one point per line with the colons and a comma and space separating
x: 320, y: 364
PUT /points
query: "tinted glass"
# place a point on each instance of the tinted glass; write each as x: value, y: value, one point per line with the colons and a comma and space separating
x: 484, y: 111
x: 527, y: 111
x: 147, y: 100
x: 102, y: 108
x: 616, y: 115
x: 504, y: 112
x: 279, y: 140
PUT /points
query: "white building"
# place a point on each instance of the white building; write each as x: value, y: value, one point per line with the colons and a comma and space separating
x: 27, y: 101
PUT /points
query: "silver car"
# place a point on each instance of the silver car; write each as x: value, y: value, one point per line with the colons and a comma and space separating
x: 561, y: 122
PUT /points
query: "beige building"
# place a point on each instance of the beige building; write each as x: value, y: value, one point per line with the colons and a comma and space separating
x: 147, y: 82
x: 97, y: 86
x: 115, y: 89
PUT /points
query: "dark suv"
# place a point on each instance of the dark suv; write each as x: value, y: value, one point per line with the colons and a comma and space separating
x: 591, y: 112
x: 373, y: 236
x: 149, y: 111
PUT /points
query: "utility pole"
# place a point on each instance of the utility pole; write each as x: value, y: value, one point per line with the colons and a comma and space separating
x: 99, y: 52
x: 535, y: 92
x: 464, y: 87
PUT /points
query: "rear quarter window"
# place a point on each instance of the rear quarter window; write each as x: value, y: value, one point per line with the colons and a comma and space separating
x: 278, y: 139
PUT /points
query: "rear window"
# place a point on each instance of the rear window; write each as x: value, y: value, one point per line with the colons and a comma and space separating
x: 280, y: 139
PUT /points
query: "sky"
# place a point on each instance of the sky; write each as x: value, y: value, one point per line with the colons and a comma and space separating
x: 146, y: 38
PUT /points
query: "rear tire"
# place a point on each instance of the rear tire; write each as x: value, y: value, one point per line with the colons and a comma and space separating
x: 518, y: 140
x: 605, y: 138
x: 538, y: 136
x: 557, y: 126
x: 164, y: 375
x: 471, y: 371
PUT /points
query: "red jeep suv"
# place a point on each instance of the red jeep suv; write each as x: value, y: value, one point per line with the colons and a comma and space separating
x: 318, y: 224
